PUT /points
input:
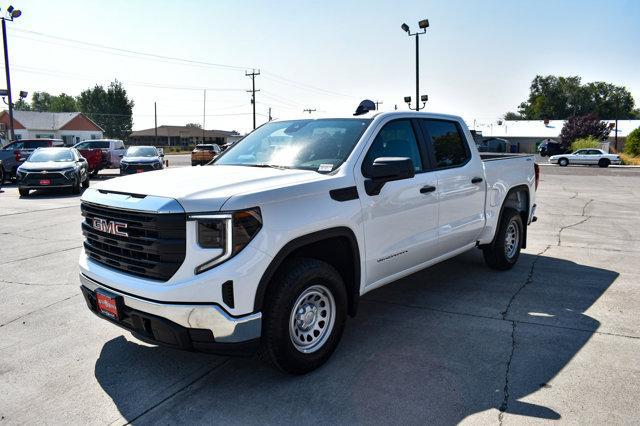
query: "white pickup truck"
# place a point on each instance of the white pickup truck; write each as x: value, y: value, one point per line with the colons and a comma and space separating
x: 270, y: 247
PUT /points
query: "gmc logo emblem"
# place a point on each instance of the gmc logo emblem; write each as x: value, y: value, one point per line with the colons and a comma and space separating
x: 110, y: 227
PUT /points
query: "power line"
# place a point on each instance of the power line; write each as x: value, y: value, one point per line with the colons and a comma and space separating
x: 134, y: 52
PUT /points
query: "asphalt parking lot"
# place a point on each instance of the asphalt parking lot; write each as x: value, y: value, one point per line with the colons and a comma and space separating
x: 556, y: 338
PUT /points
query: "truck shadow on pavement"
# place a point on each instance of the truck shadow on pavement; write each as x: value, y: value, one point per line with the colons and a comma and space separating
x: 438, y: 346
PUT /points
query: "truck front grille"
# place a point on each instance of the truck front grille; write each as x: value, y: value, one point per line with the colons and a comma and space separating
x: 154, y: 246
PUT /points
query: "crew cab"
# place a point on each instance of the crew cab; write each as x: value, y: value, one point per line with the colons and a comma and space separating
x: 270, y: 247
x: 101, y: 153
x: 587, y: 157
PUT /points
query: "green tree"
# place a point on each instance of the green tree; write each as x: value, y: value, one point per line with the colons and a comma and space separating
x: 585, y: 143
x: 556, y: 97
x: 21, y: 105
x: 513, y: 116
x: 63, y: 103
x: 632, y: 144
x: 111, y: 109
x: 41, y: 101
x: 195, y: 125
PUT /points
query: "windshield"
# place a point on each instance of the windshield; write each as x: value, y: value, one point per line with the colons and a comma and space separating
x: 57, y: 155
x: 320, y: 145
x: 141, y: 151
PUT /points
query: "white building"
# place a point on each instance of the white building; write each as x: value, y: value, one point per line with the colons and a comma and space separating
x: 72, y: 127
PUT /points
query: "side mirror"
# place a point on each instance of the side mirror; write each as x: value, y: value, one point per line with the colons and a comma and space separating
x: 387, y: 169
x: 121, y: 155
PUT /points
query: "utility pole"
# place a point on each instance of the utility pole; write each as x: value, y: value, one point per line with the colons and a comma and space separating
x: 155, y: 121
x: 270, y: 114
x: 204, y: 113
x: 253, y: 91
x: 12, y: 13
x: 378, y: 103
x: 309, y: 110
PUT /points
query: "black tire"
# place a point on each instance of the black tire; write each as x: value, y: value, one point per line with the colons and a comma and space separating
x: 86, y: 182
x: 24, y: 192
x: 604, y: 162
x: 193, y: 164
x: 2, y: 176
x: 297, y: 277
x: 75, y: 189
x: 563, y: 162
x: 498, y: 255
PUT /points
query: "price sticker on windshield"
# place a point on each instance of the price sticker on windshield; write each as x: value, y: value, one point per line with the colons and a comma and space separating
x: 325, y: 167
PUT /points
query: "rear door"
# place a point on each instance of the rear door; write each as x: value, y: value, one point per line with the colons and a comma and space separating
x: 460, y: 182
x: 401, y: 222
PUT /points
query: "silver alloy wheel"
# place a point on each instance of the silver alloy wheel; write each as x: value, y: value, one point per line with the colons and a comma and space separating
x: 511, y: 239
x: 312, y: 319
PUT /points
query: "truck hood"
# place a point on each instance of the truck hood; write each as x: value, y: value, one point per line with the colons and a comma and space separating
x: 206, y: 188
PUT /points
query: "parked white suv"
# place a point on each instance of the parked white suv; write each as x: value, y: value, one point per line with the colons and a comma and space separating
x: 589, y: 157
x: 271, y: 247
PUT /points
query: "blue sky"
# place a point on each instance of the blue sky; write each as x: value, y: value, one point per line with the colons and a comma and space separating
x: 477, y: 59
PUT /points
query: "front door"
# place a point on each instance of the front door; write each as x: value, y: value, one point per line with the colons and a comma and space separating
x: 461, y: 186
x: 401, y: 222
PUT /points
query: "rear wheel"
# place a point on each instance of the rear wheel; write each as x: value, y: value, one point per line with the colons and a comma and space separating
x: 24, y: 192
x: 563, y: 162
x: 604, y: 162
x: 504, y: 251
x: 304, y: 316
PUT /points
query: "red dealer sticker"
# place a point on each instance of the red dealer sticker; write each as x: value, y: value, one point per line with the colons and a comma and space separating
x: 45, y: 182
x: 107, y: 305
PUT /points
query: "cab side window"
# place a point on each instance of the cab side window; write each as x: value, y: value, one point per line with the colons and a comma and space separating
x: 395, y: 139
x: 448, y: 143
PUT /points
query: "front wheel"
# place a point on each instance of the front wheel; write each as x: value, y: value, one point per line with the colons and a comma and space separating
x: 604, y: 162
x: 24, y: 192
x: 304, y: 314
x: 504, y: 251
x: 563, y: 162
x: 75, y: 189
x: 86, y: 183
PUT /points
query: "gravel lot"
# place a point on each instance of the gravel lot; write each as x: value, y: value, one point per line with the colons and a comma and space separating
x: 555, y: 338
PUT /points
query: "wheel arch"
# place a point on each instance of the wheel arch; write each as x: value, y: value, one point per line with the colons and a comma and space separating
x: 517, y: 198
x: 344, y: 256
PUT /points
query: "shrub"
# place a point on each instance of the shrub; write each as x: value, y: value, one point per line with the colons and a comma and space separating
x: 627, y: 160
x: 583, y: 143
x: 632, y: 144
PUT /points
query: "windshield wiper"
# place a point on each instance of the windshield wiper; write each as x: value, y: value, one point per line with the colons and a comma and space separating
x: 273, y: 166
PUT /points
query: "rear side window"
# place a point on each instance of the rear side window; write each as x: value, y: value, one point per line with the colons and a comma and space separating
x: 449, y: 146
x: 36, y: 144
x: 101, y: 145
x: 395, y: 139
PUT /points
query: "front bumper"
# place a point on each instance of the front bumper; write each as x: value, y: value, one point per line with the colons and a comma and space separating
x: 195, y: 327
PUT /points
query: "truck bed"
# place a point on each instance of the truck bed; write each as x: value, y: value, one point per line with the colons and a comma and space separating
x: 491, y: 156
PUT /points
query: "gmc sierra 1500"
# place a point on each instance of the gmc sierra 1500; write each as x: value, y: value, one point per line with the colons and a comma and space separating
x: 270, y: 247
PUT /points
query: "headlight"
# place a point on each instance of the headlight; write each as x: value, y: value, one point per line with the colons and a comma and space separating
x: 19, y: 174
x: 157, y: 165
x: 227, y: 232
x: 69, y: 173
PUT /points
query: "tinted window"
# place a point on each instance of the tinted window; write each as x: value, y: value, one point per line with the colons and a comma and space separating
x: 52, y: 154
x: 396, y: 139
x: 101, y: 145
x: 595, y: 152
x: 449, y: 146
x: 36, y: 144
x: 141, y: 151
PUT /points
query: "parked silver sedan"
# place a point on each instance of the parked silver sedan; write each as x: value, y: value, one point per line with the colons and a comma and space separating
x: 589, y: 157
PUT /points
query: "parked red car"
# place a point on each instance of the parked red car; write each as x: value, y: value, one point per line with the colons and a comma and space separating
x: 101, y: 153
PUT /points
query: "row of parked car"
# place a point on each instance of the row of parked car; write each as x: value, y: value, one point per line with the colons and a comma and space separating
x: 47, y: 163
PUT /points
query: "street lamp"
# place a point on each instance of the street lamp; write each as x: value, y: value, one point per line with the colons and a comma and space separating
x: 423, y: 25
x: 10, y: 15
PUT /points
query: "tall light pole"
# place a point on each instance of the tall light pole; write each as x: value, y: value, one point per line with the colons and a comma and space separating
x: 424, y: 24
x: 9, y: 16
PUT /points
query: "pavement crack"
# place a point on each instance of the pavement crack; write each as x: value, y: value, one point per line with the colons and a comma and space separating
x: 162, y: 401
x: 562, y: 228
x: 40, y: 255
x: 37, y: 310
x: 585, y: 206
x: 36, y: 211
x: 505, y: 390
x: 528, y: 281
x: 33, y: 284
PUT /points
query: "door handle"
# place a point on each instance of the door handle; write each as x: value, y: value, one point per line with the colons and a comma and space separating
x: 427, y: 188
x: 476, y: 180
